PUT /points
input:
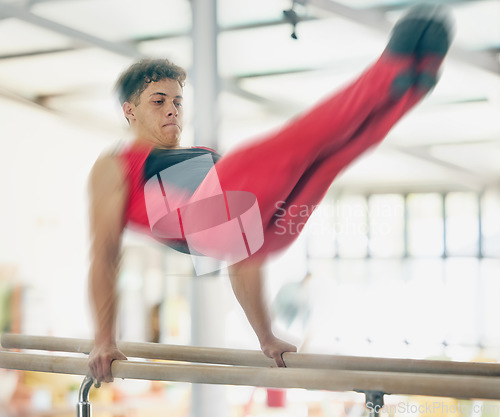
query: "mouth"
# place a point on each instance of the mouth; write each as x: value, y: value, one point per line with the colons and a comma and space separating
x: 170, y: 124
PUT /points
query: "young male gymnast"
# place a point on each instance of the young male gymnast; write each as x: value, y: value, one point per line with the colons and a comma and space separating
x: 292, y: 167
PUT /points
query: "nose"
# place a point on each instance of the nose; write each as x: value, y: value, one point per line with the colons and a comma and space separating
x: 172, y: 110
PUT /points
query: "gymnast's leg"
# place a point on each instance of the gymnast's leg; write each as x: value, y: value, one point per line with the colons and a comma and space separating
x: 315, y: 182
x: 274, y: 166
x: 287, y: 222
x: 297, y: 164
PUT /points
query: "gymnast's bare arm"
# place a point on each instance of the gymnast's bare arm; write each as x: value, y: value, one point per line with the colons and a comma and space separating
x: 247, y: 283
x: 108, y: 193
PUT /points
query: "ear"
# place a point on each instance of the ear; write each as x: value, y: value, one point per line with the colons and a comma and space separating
x: 128, y: 111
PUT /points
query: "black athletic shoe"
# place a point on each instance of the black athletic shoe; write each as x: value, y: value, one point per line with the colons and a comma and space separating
x: 426, y: 28
x: 438, y: 35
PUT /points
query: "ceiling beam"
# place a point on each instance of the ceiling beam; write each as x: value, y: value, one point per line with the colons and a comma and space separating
x: 23, y: 99
x: 438, y: 185
x: 460, y: 174
x: 375, y: 19
x: 278, y: 107
x: 33, y: 2
x: 123, y: 49
x: 408, y: 3
x: 160, y: 37
x: 480, y: 59
x: 36, y: 53
x: 40, y: 103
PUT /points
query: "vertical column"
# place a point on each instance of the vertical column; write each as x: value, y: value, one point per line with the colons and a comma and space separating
x: 207, y: 311
x: 204, y: 73
x: 445, y: 228
x: 406, y: 252
x: 368, y: 226
x: 480, y: 224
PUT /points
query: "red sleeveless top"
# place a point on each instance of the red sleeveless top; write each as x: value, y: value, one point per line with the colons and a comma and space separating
x: 134, y: 159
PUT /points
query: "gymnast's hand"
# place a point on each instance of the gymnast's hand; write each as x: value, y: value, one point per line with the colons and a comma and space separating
x: 274, y: 349
x: 100, y: 360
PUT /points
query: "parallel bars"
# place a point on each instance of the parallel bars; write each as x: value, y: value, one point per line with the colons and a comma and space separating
x: 372, y: 376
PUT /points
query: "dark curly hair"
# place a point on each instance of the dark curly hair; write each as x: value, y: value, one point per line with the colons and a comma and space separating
x: 136, y: 78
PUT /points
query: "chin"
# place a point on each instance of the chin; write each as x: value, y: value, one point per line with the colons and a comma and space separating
x: 171, y: 142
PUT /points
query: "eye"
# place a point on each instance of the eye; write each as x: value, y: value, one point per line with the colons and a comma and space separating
x: 158, y: 101
x: 178, y: 104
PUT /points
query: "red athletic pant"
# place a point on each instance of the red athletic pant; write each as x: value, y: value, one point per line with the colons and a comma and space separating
x: 296, y: 165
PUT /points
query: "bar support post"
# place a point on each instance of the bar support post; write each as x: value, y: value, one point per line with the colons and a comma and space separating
x: 374, y: 401
x: 84, y: 408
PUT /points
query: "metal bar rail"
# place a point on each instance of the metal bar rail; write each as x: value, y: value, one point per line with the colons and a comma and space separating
x: 374, y: 377
x: 457, y: 386
x: 241, y: 357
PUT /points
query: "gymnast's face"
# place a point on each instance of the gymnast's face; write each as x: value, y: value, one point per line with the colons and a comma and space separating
x: 157, y: 115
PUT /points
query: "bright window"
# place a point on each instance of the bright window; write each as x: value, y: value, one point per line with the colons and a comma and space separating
x: 321, y: 233
x: 425, y: 225
x: 386, y: 220
x: 352, y: 227
x: 491, y: 224
x: 462, y: 225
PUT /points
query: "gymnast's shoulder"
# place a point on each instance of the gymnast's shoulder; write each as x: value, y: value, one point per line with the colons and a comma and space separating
x: 107, y: 175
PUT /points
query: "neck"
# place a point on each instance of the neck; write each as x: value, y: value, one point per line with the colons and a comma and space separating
x: 156, y: 144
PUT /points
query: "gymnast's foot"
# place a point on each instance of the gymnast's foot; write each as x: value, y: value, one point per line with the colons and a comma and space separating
x: 422, y: 35
x: 432, y: 48
x: 425, y: 29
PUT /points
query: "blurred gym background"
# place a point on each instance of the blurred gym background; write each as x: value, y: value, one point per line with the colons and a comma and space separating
x: 402, y: 259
